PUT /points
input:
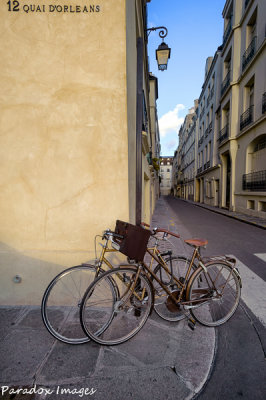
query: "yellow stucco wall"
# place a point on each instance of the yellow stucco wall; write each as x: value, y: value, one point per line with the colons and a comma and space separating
x: 64, y: 144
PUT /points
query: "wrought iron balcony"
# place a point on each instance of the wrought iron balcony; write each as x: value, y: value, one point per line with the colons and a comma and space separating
x: 210, y: 127
x: 226, y: 82
x: 202, y: 112
x: 224, y: 133
x: 207, y: 165
x: 199, y: 170
x: 246, y: 118
x: 255, y: 181
x: 227, y: 31
x: 210, y: 96
x: 263, y: 102
x: 249, y: 53
x: 201, y: 141
x: 206, y: 131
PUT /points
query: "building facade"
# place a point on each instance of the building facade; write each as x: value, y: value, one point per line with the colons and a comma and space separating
x: 166, y: 165
x: 230, y: 144
x: 207, y: 183
x: 79, y: 132
x: 187, y: 137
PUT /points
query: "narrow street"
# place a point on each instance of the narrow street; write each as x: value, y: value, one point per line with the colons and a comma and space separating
x: 239, y: 368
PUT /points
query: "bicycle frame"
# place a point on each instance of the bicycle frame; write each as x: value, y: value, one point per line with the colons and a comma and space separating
x: 147, y: 269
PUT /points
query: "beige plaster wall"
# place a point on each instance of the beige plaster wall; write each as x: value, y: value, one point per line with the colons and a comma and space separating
x: 64, y: 145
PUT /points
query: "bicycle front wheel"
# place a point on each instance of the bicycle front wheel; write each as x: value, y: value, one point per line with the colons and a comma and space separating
x: 163, y: 304
x: 214, y: 293
x: 61, y: 303
x: 116, y: 306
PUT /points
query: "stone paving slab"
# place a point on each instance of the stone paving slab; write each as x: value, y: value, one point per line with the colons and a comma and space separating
x: 161, y: 352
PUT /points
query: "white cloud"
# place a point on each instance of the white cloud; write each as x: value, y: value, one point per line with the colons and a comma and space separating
x: 171, y: 121
x: 172, y: 144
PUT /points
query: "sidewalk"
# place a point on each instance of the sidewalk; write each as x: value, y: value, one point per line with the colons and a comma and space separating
x: 163, y: 361
x: 249, y: 219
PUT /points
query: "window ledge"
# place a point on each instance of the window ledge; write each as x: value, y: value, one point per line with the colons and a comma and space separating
x: 249, y: 193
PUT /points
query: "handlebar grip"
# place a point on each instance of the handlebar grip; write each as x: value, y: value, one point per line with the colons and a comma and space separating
x: 111, y: 233
x: 144, y: 224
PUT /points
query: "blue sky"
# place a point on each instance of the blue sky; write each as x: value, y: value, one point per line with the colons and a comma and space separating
x: 195, y: 30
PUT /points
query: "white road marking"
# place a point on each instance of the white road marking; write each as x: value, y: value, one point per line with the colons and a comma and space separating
x: 253, y: 291
x: 262, y: 256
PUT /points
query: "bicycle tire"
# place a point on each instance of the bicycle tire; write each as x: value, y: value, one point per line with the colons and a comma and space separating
x: 61, y: 302
x: 163, y: 305
x: 110, y: 319
x: 218, y: 292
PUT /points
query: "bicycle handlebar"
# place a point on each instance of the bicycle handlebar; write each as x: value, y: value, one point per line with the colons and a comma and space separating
x: 157, y: 230
x: 108, y: 232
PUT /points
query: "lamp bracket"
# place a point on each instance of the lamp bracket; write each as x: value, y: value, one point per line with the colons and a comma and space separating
x: 163, y: 32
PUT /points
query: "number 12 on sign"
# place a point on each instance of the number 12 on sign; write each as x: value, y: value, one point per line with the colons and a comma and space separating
x: 13, y: 5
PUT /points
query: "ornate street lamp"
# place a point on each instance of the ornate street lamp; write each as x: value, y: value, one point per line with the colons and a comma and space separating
x: 163, y: 52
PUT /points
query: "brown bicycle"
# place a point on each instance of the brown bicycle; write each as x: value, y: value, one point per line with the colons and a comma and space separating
x: 118, y: 303
x: 62, y: 299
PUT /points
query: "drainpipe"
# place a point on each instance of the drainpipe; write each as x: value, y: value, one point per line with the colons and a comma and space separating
x: 139, y: 116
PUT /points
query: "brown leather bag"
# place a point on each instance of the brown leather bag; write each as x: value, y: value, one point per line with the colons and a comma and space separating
x: 135, y: 240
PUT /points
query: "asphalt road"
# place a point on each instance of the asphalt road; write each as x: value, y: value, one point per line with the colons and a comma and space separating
x: 239, y: 370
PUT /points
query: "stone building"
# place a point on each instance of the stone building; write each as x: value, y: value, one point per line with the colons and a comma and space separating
x: 166, y: 164
x: 79, y: 132
x: 207, y: 181
x: 230, y: 142
x: 187, y: 137
x: 242, y: 141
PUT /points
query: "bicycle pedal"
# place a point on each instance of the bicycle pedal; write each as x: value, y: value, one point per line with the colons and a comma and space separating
x: 137, y: 312
x: 192, y: 324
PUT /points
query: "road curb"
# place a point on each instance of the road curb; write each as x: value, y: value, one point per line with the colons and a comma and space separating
x: 219, y: 211
x: 204, y: 384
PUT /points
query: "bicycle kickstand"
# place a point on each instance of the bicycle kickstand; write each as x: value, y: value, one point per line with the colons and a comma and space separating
x: 191, y: 323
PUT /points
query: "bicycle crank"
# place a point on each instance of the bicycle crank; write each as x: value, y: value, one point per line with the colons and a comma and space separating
x: 170, y: 304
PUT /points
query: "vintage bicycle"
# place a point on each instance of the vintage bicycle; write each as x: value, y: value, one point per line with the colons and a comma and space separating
x: 62, y: 299
x: 118, y: 303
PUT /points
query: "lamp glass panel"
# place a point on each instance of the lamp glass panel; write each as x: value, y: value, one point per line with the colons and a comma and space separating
x: 162, y: 56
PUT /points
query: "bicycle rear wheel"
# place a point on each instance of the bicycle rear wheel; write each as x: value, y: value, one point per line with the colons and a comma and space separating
x: 116, y: 306
x: 61, y: 303
x: 215, y: 294
x: 163, y: 304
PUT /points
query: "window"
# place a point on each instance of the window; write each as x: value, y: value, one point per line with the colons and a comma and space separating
x: 251, y: 41
x: 262, y: 206
x: 261, y: 144
x: 228, y: 23
x: 251, y: 29
x: 247, y: 117
x: 226, y: 72
x: 226, y: 114
x: 251, y: 204
x: 211, y: 114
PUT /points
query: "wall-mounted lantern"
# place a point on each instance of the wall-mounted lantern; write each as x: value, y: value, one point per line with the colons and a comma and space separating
x: 163, y: 52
